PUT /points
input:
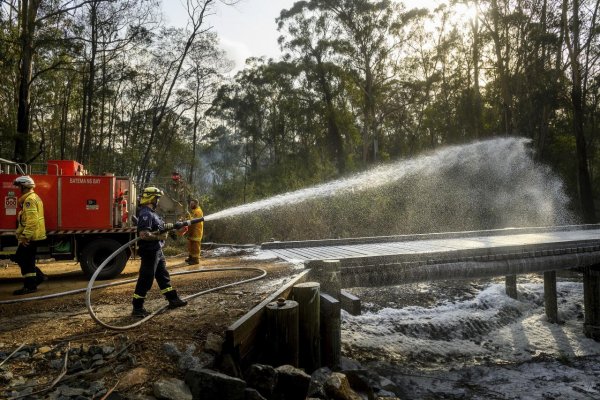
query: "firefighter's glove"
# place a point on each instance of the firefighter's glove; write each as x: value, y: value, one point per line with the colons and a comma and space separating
x: 167, y: 227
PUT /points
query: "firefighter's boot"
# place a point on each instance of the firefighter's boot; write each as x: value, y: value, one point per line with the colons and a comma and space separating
x: 174, y: 300
x: 138, y: 308
x: 40, y: 276
x: 24, y: 290
x: 192, y: 260
x: 29, y: 286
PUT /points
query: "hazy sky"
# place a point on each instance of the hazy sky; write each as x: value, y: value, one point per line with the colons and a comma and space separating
x: 246, y: 29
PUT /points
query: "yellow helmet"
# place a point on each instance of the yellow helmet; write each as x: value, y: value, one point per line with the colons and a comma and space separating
x: 149, y: 194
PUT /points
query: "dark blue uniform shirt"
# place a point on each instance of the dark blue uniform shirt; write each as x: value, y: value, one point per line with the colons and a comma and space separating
x: 149, y: 220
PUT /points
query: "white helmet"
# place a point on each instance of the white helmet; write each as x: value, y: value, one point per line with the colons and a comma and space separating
x: 25, y: 181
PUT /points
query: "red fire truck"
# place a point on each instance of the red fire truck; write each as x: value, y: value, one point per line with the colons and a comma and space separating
x: 87, y: 216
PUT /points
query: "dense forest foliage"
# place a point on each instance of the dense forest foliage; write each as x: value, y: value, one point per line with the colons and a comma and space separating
x: 359, y: 83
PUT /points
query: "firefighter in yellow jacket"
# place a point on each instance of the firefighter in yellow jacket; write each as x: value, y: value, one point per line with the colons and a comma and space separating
x: 30, y: 231
x: 194, y: 234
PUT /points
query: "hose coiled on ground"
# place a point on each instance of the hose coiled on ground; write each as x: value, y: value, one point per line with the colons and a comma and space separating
x: 90, y: 286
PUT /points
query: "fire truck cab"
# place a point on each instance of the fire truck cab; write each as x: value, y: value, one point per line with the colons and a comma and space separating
x: 87, y: 216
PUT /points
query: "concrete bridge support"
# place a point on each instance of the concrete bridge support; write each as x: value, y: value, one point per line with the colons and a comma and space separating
x: 328, y: 274
x: 550, y: 302
x: 510, y: 282
x: 591, y: 297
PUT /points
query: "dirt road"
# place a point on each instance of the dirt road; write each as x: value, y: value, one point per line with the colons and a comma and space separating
x: 53, y: 322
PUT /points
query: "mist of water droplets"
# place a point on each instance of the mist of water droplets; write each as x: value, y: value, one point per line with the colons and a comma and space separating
x: 483, y: 185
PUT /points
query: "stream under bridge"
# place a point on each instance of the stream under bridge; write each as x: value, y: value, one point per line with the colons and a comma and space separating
x: 394, y: 260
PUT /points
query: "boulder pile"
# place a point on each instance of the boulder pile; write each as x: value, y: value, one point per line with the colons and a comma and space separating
x: 76, y: 373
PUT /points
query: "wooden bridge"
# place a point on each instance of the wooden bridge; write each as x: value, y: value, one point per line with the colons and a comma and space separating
x: 393, y: 260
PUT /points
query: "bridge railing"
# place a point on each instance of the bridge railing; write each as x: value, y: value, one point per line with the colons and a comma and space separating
x: 425, y: 236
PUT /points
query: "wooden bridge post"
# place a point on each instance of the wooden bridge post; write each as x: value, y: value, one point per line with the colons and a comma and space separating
x: 331, y: 331
x: 350, y: 303
x: 309, y: 311
x: 510, y: 282
x: 327, y: 273
x: 591, y: 299
x: 282, y: 332
x: 550, y: 303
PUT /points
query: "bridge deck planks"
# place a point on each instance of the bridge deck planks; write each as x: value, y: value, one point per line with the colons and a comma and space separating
x: 329, y: 253
x: 288, y: 255
x: 307, y: 254
x: 355, y: 251
x: 430, y: 246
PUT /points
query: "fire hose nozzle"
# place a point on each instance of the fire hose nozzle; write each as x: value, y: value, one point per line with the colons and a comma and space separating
x: 189, y: 222
x: 181, y: 224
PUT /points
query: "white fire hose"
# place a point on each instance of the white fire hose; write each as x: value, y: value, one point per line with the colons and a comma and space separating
x: 90, y: 286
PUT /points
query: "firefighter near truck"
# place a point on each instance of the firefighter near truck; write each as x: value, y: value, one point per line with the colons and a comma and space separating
x: 88, y: 217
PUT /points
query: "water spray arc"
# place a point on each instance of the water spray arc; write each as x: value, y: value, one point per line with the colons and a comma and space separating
x: 490, y: 184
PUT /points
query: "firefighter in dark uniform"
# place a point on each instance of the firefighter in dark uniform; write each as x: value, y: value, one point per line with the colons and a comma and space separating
x: 31, y: 230
x: 153, y: 265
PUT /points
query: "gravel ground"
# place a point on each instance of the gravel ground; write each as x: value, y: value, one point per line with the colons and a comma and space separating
x: 444, y: 340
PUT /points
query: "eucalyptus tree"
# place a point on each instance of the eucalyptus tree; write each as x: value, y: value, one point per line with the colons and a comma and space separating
x: 197, y: 11
x: 139, y: 77
x: 582, y: 38
x: 500, y: 28
x: 9, y: 61
x: 244, y: 104
x: 511, y: 39
x: 239, y: 108
x: 105, y: 30
x: 271, y: 121
x: 538, y: 82
x: 313, y: 38
x: 204, y: 73
x: 371, y: 36
x: 297, y: 149
x: 437, y: 70
x: 476, y: 106
x: 41, y: 24
x: 471, y: 48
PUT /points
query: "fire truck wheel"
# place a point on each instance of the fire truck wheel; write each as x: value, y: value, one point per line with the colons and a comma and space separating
x: 94, y: 254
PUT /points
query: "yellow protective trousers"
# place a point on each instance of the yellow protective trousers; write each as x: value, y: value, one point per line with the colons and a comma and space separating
x: 194, y: 248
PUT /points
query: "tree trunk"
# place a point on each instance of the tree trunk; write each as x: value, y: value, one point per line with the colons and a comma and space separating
x: 29, y: 10
x: 334, y: 139
x: 583, y: 175
x: 195, y: 134
x: 371, y: 109
x: 102, y: 151
x: 577, y: 103
x: 83, y: 148
x: 503, y: 72
x: 87, y: 142
x: 197, y: 18
x: 64, y: 120
x: 476, y: 100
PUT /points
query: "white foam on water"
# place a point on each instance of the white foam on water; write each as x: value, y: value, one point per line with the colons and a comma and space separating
x: 490, y: 344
